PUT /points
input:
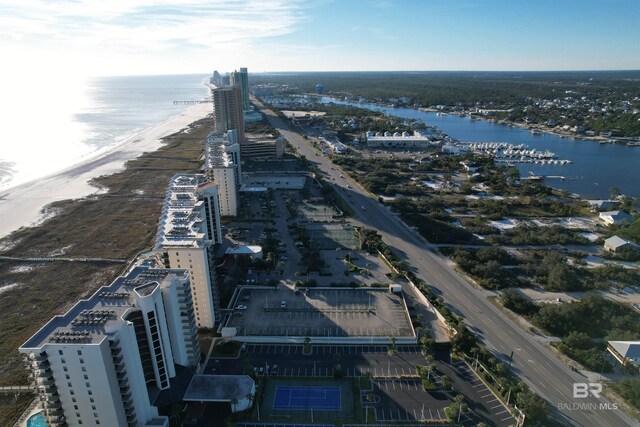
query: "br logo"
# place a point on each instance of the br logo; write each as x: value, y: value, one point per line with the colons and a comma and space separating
x: 583, y: 390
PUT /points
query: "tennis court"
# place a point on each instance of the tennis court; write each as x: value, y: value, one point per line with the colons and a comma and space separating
x: 304, y: 398
x: 307, y: 399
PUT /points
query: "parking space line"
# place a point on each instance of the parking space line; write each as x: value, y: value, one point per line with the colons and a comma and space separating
x: 501, y: 412
x: 497, y: 406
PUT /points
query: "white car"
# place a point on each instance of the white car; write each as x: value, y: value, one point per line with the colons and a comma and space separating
x: 241, y: 307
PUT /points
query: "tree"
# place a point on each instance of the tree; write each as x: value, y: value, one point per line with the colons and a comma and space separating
x: 446, y: 382
x: 464, y: 340
x: 456, y: 409
x: 614, y: 192
x: 307, y: 345
x: 533, y: 406
x: 393, y: 346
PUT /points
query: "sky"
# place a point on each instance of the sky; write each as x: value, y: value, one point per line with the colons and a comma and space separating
x: 66, y: 38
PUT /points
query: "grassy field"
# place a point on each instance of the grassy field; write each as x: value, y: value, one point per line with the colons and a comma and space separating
x: 116, y: 224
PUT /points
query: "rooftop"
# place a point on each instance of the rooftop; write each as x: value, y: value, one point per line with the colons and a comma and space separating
x: 180, y: 221
x: 616, y: 242
x: 628, y: 349
x: 219, y: 388
x: 216, y: 153
x: 88, y: 320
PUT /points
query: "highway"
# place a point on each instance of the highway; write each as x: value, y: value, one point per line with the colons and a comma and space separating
x: 535, y: 364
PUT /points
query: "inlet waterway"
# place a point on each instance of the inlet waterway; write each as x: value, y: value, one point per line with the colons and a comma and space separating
x: 596, y: 167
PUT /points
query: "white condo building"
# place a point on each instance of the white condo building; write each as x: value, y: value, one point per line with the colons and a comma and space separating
x: 188, y: 229
x: 222, y: 167
x: 106, y: 360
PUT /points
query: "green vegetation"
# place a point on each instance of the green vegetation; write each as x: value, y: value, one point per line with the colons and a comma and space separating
x: 518, y: 303
x: 629, y: 388
x: 581, y: 348
x: 551, y: 270
x: 492, y: 268
x: 538, y: 236
x: 436, y: 231
x: 593, y: 315
x: 521, y: 95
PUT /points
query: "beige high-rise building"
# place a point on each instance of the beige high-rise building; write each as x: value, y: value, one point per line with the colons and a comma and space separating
x: 227, y: 110
x: 189, y: 227
x: 222, y: 167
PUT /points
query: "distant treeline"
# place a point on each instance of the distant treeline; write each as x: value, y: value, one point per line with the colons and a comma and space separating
x: 467, y: 88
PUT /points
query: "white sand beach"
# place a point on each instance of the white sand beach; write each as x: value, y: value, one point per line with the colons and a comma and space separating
x: 22, y: 205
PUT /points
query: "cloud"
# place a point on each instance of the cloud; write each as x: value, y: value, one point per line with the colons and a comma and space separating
x: 125, y: 27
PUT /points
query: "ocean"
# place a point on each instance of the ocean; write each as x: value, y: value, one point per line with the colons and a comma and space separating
x: 55, y: 124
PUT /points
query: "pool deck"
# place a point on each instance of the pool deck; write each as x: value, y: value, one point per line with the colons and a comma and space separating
x: 31, y: 411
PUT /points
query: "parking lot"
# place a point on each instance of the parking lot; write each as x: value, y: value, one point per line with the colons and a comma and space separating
x: 404, y: 400
x: 394, y: 379
x: 320, y: 313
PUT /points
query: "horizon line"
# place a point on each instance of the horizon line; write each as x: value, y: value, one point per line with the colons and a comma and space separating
x: 376, y: 71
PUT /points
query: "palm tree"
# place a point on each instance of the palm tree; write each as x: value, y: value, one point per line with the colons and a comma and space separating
x: 307, y: 345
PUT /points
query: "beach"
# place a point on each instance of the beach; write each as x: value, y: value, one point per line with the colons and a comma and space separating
x: 23, y: 205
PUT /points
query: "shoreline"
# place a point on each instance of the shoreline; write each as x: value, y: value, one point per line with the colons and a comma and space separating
x: 23, y: 205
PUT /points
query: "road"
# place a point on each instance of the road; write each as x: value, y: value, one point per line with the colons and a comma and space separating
x: 535, y: 364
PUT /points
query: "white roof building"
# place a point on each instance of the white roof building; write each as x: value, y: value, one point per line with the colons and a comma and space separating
x: 615, y: 217
x: 104, y: 361
x: 254, y: 251
x: 618, y: 244
x: 626, y: 352
x: 189, y: 226
x: 398, y: 140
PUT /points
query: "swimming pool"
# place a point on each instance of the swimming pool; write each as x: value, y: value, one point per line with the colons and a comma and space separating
x: 37, y: 420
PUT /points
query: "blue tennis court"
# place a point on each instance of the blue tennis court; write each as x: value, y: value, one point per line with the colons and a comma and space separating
x: 303, y: 398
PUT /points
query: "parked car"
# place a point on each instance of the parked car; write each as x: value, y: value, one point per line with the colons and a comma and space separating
x: 241, y: 307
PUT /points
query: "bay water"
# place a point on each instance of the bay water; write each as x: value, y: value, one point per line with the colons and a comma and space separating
x: 596, y: 167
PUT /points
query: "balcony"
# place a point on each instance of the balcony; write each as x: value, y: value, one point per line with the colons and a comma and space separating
x: 51, y: 393
x: 54, y: 412
x: 57, y: 420
x: 126, y: 396
x: 41, y: 357
x: 122, y: 375
x: 47, y: 382
x: 116, y: 351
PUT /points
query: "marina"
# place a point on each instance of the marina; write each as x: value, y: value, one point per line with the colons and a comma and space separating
x: 506, y: 153
x: 592, y: 169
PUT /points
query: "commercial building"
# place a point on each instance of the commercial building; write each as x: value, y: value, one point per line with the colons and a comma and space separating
x: 222, y: 167
x: 241, y: 79
x: 398, y: 140
x: 263, y: 146
x: 227, y: 110
x: 107, y: 359
x: 188, y: 229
